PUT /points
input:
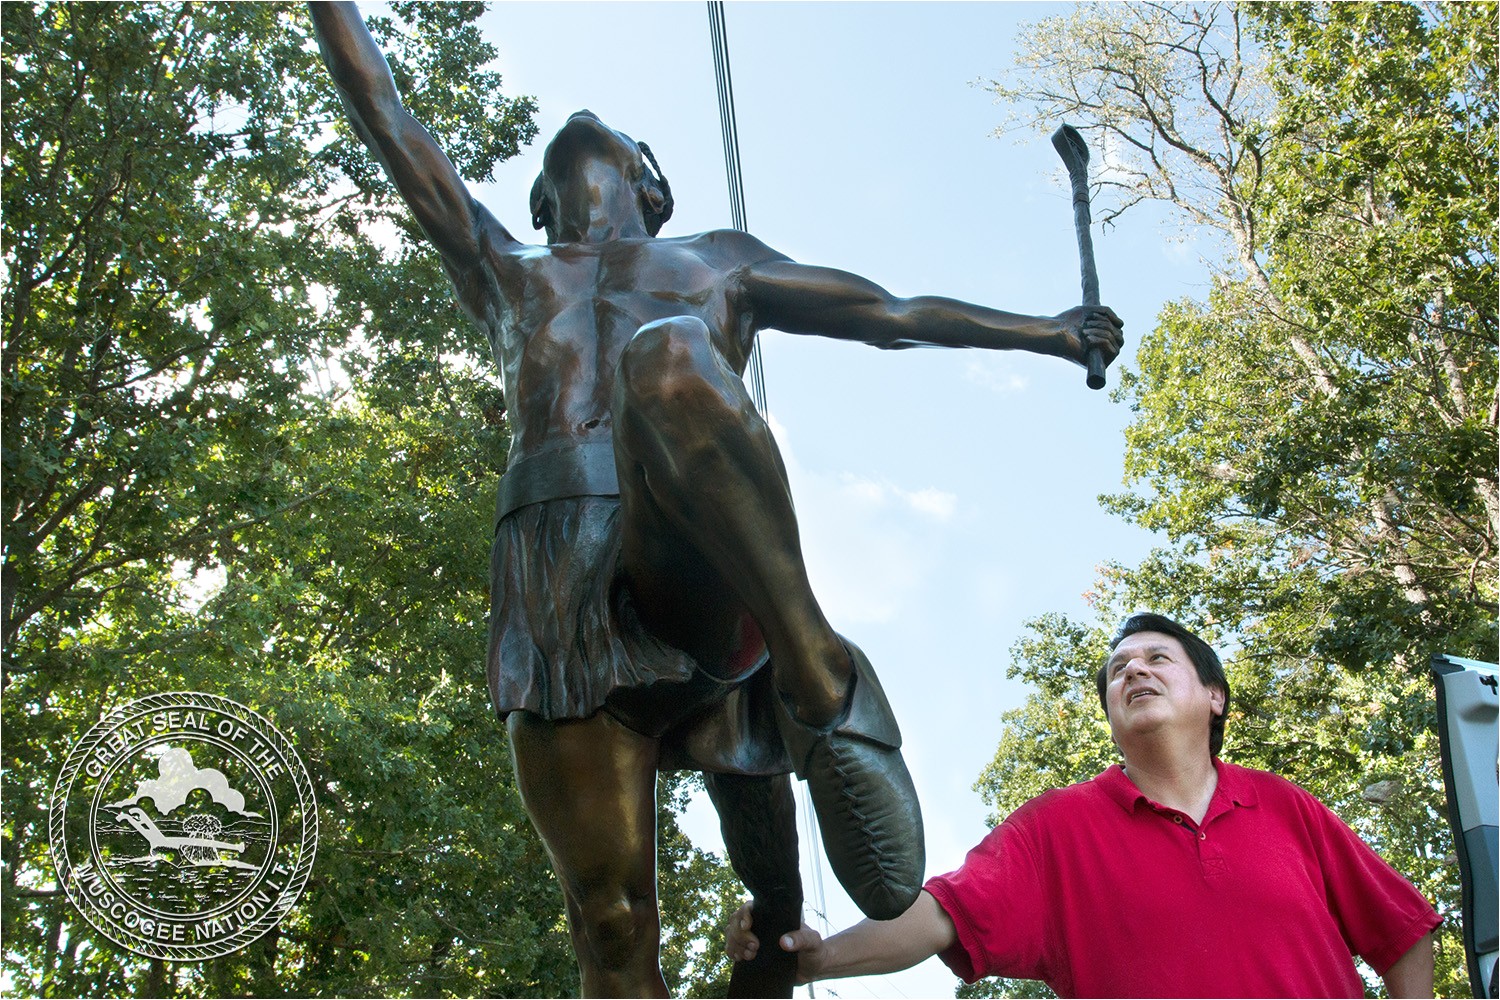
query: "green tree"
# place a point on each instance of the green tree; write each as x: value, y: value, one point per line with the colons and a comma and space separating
x: 1316, y: 440
x: 250, y: 448
x: 170, y: 233
x: 1322, y: 429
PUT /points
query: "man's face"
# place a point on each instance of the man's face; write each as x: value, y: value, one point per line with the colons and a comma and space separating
x: 1153, y: 690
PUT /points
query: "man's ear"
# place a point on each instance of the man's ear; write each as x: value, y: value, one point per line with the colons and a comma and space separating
x: 1216, y: 699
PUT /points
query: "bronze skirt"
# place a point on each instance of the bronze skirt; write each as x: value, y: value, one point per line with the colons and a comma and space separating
x: 565, y: 643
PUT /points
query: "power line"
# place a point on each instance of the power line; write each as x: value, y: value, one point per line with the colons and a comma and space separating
x: 755, y: 369
x: 719, y: 35
x: 756, y: 377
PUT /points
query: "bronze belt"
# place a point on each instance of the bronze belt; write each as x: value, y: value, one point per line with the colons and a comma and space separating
x: 583, y: 470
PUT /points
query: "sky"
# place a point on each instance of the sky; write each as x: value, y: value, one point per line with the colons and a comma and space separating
x: 944, y: 497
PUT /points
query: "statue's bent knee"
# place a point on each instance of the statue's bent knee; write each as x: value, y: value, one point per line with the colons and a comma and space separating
x: 671, y: 366
x: 664, y: 351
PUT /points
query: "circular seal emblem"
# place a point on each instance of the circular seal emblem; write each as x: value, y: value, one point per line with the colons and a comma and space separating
x: 183, y: 826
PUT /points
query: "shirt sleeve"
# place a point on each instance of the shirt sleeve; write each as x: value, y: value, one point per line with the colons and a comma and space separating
x: 1379, y: 912
x: 995, y: 903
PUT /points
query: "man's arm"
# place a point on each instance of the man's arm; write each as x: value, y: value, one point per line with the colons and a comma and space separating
x: 1411, y: 976
x: 416, y: 164
x: 869, y: 948
x: 799, y: 298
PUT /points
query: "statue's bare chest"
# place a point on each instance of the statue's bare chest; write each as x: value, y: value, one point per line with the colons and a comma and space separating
x: 619, y: 287
x: 576, y: 308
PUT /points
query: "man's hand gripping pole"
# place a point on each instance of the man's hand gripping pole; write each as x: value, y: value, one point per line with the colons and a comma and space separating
x: 1075, y: 156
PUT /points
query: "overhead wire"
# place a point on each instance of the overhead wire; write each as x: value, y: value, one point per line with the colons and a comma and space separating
x: 756, y: 381
x: 755, y: 368
x: 719, y: 35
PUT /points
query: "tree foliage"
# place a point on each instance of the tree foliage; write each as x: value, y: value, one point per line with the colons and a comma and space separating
x: 1316, y: 440
x: 250, y: 449
x: 1321, y: 430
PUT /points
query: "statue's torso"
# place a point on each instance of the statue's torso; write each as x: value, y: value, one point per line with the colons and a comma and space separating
x: 565, y: 313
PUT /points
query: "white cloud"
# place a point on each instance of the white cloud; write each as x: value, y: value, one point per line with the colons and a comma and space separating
x: 929, y: 501
x: 933, y: 502
x: 870, y: 546
x: 994, y: 374
x: 1118, y: 163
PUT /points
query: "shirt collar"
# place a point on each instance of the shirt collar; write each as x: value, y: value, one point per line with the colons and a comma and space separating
x: 1233, y: 789
x: 1114, y: 783
x: 1234, y: 784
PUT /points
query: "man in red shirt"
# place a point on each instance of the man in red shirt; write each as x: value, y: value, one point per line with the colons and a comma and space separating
x: 1172, y: 874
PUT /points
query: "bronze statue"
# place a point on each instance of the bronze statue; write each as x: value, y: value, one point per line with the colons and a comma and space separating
x: 651, y: 610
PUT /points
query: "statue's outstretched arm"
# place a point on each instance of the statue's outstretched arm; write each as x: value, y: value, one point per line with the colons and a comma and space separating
x: 416, y: 164
x: 800, y: 298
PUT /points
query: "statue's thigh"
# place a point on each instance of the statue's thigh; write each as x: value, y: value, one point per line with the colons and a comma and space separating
x: 589, y: 787
x: 704, y: 500
x: 678, y: 594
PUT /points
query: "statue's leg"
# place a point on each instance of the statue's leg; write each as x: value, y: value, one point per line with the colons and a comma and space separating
x: 759, y: 819
x: 708, y: 533
x: 590, y: 788
x: 709, y: 528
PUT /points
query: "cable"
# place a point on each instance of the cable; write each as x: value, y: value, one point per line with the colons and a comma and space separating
x: 755, y: 369
x: 724, y: 80
x: 756, y: 380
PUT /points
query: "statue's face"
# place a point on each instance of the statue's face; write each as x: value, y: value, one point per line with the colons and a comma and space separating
x: 594, y: 183
x: 585, y: 146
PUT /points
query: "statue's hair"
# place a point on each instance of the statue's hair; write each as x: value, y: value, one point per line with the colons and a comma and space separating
x: 543, y: 214
x: 655, y: 220
x: 541, y: 207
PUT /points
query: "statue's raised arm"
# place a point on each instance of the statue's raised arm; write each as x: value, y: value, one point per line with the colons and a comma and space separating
x: 416, y: 164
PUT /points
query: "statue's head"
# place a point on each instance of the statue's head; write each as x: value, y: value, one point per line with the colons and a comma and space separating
x: 591, y: 172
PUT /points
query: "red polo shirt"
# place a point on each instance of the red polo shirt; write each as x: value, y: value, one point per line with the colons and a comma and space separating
x: 1101, y: 892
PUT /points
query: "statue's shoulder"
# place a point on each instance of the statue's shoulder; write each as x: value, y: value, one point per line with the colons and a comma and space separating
x: 727, y: 247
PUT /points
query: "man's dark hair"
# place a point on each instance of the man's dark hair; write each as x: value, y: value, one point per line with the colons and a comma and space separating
x: 1210, y: 670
